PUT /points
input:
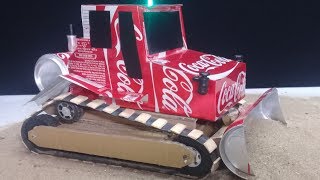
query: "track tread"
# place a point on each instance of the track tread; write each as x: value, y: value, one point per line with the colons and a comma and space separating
x: 116, y: 110
x: 200, y: 143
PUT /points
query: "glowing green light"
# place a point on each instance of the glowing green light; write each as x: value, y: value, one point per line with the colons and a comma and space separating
x: 150, y: 3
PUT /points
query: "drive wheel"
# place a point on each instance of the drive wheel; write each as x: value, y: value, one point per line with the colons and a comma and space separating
x: 203, y: 159
x: 68, y: 112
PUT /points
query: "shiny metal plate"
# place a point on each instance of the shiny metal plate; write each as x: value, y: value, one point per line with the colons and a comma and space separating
x: 232, y: 147
x: 233, y: 151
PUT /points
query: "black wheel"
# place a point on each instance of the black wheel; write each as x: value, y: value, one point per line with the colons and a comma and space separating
x: 68, y: 112
x: 203, y: 162
x: 29, y: 124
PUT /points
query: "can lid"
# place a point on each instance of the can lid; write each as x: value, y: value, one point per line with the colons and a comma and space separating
x: 47, y: 70
x: 233, y: 152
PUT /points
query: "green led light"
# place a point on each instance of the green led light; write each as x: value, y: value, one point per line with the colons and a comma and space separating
x: 150, y: 3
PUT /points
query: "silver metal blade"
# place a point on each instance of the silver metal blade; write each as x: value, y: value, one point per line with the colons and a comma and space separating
x: 59, y: 86
x: 233, y: 148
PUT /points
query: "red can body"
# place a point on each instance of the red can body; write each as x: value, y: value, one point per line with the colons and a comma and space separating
x: 167, y: 84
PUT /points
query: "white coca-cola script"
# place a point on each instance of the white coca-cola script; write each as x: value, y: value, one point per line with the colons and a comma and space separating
x: 231, y: 93
x: 176, y: 81
x: 205, y: 63
x: 124, y: 81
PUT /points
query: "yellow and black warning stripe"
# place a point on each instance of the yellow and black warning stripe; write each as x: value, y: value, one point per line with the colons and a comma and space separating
x: 144, y: 118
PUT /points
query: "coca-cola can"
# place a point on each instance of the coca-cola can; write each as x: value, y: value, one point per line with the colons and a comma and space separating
x: 49, y: 67
x: 233, y: 150
x: 232, y: 147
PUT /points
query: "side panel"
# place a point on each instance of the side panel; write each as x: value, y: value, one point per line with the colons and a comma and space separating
x: 89, y: 63
x: 106, y: 68
x: 177, y: 94
x: 230, y: 90
x: 119, y: 79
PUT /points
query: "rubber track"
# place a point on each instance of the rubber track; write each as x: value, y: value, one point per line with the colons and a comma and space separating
x: 98, y: 159
x: 84, y: 102
x: 144, y: 118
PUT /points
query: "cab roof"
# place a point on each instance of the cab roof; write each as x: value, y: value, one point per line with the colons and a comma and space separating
x: 142, y: 6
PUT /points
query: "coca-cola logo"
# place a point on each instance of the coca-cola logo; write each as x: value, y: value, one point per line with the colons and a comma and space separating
x: 205, y: 63
x: 176, y: 82
x: 231, y: 93
x: 124, y: 84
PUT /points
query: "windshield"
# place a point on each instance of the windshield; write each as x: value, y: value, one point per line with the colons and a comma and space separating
x: 163, y: 31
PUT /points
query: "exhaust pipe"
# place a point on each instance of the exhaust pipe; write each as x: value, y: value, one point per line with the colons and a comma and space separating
x: 72, y: 40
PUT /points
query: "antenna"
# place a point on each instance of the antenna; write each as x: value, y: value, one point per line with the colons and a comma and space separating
x: 71, y: 29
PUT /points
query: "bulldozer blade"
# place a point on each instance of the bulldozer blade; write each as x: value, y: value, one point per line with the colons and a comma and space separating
x: 232, y: 147
x: 266, y: 107
x: 59, y: 86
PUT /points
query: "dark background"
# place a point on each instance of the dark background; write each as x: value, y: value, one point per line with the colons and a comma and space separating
x: 279, y: 38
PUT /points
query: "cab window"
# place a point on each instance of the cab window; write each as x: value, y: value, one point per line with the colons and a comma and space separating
x: 100, y: 34
x: 163, y: 31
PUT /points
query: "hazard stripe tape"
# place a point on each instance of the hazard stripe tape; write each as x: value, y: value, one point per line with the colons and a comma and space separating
x: 111, y: 108
x: 210, y: 145
x: 133, y: 116
x: 78, y: 100
x: 150, y: 121
x: 159, y: 123
x: 178, y: 128
x: 62, y: 96
x: 126, y: 113
x: 144, y: 118
x: 195, y: 134
x: 86, y: 102
x: 216, y: 164
x: 95, y: 103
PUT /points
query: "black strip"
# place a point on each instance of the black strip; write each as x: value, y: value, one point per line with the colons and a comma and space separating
x: 69, y: 97
x: 100, y: 34
x: 133, y: 116
x: 102, y: 106
x: 167, y: 127
x: 117, y: 112
x: 202, y: 139
x: 129, y: 46
x: 84, y: 103
x: 150, y: 121
x: 185, y: 132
